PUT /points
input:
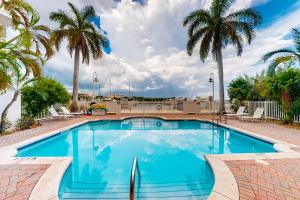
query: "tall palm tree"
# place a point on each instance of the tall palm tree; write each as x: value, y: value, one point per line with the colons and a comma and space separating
x: 285, y: 55
x: 214, y: 29
x: 82, y: 39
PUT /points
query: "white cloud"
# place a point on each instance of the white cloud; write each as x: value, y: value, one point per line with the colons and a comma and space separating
x: 148, y: 44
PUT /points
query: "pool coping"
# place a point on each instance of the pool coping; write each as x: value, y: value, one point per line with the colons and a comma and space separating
x: 225, y: 186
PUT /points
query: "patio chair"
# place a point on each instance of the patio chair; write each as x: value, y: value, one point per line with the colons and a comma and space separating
x: 67, y: 112
x: 256, y: 116
x: 240, y: 112
x: 55, y: 115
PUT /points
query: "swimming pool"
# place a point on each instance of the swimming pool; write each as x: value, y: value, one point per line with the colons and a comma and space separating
x: 170, y: 157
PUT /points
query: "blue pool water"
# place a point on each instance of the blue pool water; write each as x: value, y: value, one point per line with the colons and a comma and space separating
x: 170, y: 156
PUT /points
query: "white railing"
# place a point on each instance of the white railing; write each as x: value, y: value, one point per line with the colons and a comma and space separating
x: 272, y: 110
x: 212, y: 107
x: 151, y: 107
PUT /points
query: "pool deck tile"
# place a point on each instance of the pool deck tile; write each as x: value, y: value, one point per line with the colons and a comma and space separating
x: 269, y: 177
x: 277, y: 179
x: 18, y: 180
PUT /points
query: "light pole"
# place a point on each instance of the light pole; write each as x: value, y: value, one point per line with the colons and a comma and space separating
x: 99, y: 89
x: 132, y: 90
x: 95, y: 80
x: 212, y: 80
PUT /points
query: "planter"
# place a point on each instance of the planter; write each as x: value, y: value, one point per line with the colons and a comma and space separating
x: 99, y: 112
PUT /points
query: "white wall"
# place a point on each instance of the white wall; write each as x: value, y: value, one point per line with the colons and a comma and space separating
x: 14, y: 113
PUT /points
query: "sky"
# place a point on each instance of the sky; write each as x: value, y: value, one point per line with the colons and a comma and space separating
x: 148, y: 46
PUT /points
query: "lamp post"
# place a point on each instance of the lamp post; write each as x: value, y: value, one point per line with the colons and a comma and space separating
x: 212, y: 80
x: 95, y: 80
x: 132, y: 90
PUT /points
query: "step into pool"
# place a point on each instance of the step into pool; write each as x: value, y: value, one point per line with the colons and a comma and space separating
x: 170, y: 157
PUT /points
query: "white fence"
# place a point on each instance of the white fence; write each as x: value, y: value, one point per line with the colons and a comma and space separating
x: 272, y: 110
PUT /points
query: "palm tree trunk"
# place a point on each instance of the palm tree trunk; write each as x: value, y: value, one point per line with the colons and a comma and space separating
x: 74, y: 105
x: 4, y: 113
x: 221, y: 79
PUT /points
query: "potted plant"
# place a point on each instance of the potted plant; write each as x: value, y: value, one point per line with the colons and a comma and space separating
x: 97, y: 109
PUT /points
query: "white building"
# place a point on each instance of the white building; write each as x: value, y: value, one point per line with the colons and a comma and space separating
x: 15, y: 110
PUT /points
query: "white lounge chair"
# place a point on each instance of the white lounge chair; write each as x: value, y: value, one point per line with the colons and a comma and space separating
x: 67, y: 112
x: 55, y: 115
x: 240, y: 112
x: 256, y: 116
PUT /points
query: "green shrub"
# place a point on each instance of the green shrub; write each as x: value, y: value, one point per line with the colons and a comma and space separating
x: 42, y: 94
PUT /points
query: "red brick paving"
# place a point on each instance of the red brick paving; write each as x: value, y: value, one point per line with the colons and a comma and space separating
x: 47, y: 126
x: 279, y: 180
x: 269, y: 129
x: 17, y: 181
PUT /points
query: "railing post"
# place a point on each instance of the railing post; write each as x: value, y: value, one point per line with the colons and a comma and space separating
x: 135, y: 167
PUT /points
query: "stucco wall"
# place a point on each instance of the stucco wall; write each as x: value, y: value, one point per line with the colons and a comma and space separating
x: 14, y: 112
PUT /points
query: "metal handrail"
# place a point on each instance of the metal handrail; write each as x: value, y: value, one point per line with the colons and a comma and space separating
x: 219, y: 117
x: 135, y: 167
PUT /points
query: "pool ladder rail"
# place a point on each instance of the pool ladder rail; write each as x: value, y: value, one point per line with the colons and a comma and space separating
x: 135, y: 168
x: 219, y: 118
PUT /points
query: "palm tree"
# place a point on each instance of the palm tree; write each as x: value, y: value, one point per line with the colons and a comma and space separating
x: 13, y: 54
x: 18, y: 10
x: 16, y: 66
x: 34, y: 34
x: 82, y: 39
x: 214, y: 29
x: 285, y: 55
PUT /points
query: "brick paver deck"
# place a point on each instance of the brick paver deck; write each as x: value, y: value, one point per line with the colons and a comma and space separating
x: 17, y: 181
x: 269, y: 129
x: 47, y: 126
x: 275, y: 180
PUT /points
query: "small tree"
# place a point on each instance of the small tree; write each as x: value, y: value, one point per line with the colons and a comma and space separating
x: 44, y: 92
x: 16, y: 67
x: 242, y: 89
x: 283, y: 86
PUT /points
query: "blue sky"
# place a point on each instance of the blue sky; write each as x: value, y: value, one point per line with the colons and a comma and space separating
x: 274, y: 9
x: 148, y: 46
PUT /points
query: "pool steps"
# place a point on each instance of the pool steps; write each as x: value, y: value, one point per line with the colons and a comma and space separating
x: 197, y: 189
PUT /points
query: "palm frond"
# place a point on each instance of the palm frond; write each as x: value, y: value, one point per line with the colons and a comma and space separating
x: 200, y: 16
x: 219, y: 7
x: 62, y: 18
x: 87, y: 12
x: 247, y: 15
x: 77, y: 13
x: 194, y: 39
x: 296, y: 36
x: 205, y: 45
x: 279, y: 51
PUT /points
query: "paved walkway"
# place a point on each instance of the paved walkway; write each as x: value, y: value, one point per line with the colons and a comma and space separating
x: 46, y: 127
x: 269, y: 129
x: 273, y: 180
x: 278, y: 179
x: 18, y: 180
